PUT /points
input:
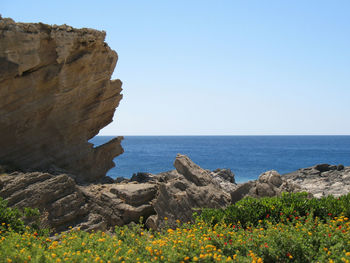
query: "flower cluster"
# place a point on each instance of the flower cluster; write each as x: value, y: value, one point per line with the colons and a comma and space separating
x: 303, y: 239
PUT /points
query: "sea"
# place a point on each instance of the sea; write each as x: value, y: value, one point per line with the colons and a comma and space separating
x: 246, y: 156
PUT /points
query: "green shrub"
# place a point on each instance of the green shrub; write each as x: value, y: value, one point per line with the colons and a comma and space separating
x: 17, y: 220
x: 287, y: 207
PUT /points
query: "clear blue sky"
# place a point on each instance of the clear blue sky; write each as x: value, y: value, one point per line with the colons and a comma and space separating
x: 218, y: 67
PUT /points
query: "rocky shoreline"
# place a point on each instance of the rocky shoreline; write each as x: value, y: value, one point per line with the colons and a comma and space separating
x: 56, y: 94
x: 322, y: 179
x: 173, y: 195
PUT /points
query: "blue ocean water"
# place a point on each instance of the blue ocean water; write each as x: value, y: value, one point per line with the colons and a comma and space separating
x: 246, y: 156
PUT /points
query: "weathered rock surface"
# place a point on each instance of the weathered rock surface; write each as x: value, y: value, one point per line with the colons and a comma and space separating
x: 103, y: 206
x: 91, y: 207
x: 191, y: 171
x: 269, y: 184
x: 135, y: 194
x: 113, y: 208
x: 322, y: 179
x: 55, y: 95
x: 170, y: 195
x: 226, y: 179
x: 180, y: 197
x: 56, y: 196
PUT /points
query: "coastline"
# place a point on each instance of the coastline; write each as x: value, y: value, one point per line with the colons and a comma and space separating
x: 246, y: 156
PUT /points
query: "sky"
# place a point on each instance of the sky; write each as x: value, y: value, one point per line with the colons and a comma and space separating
x: 219, y: 67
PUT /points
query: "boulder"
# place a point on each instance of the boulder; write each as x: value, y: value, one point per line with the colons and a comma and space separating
x: 190, y: 189
x: 242, y: 191
x: 269, y: 184
x: 225, y: 178
x: 140, y: 177
x: 179, y: 199
x: 135, y: 194
x: 120, y: 204
x: 145, y: 178
x: 340, y: 167
x: 325, y: 167
x: 191, y: 171
x: 225, y: 174
x: 264, y: 190
x: 119, y: 180
x: 151, y: 222
x: 134, y: 214
x: 271, y: 178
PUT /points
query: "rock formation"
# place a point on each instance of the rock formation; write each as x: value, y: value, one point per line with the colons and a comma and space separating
x: 269, y: 184
x: 168, y: 195
x: 58, y: 198
x: 322, y: 179
x: 160, y: 199
x: 191, y: 187
x: 319, y: 180
x: 226, y: 179
x: 55, y: 95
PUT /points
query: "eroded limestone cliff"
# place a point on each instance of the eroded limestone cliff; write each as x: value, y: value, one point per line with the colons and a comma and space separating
x: 55, y: 95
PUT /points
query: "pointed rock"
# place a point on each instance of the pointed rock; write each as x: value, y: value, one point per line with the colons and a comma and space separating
x: 191, y: 171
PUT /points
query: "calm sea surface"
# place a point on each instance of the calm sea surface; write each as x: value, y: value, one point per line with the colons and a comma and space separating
x: 246, y: 156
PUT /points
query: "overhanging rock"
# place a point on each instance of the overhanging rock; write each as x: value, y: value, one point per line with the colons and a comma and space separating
x: 55, y: 95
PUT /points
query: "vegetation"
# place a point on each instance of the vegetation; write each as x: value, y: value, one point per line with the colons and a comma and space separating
x: 305, y: 237
x: 250, y: 211
x: 16, y: 220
